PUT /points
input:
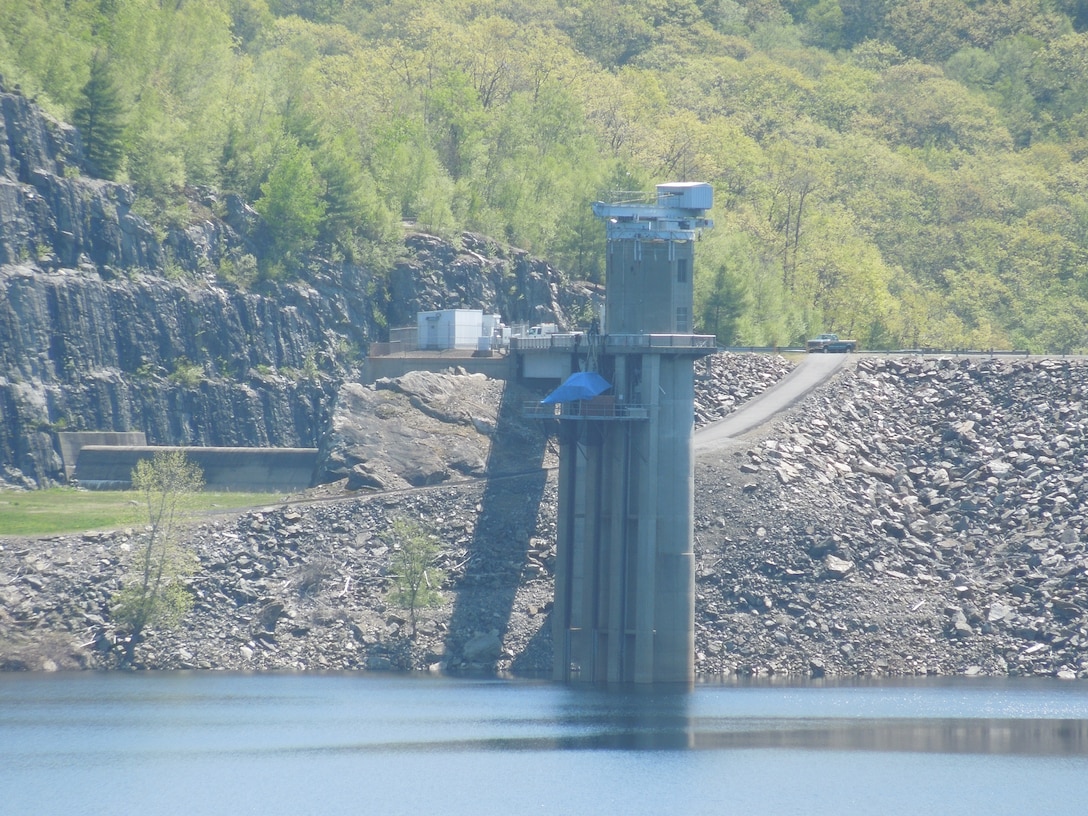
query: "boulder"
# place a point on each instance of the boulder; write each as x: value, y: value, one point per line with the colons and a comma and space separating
x: 483, y: 647
x: 837, y: 567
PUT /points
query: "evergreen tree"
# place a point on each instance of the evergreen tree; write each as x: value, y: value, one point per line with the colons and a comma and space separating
x: 344, y: 195
x: 100, y: 119
x: 723, y: 308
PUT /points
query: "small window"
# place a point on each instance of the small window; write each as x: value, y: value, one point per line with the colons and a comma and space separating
x: 683, y: 326
x: 682, y: 270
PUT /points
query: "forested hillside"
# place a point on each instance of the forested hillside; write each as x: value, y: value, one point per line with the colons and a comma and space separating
x: 911, y: 173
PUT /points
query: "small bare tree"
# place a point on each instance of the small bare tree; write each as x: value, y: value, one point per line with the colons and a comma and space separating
x: 154, y: 590
x: 416, y: 579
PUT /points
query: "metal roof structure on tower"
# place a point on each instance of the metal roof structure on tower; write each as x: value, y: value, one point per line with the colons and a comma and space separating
x: 676, y: 213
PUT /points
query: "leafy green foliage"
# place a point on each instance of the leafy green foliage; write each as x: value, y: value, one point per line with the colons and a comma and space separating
x: 186, y: 373
x: 292, y: 204
x: 910, y: 172
x: 416, y: 579
x: 154, y: 591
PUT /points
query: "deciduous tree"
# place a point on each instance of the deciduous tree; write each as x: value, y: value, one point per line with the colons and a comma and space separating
x: 416, y: 578
x: 158, y: 563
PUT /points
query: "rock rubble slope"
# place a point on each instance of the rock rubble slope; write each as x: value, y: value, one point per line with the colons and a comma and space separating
x: 914, y: 516
x: 917, y: 516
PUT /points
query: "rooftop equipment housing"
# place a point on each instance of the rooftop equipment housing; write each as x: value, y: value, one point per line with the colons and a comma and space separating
x: 676, y: 213
x: 442, y: 329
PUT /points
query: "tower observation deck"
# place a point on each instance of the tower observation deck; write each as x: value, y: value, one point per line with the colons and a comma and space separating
x: 625, y: 579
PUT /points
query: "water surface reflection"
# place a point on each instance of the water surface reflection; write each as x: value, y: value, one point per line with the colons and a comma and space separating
x: 210, y: 743
x: 656, y: 719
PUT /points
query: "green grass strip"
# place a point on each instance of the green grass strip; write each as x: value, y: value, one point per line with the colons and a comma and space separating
x: 68, y: 510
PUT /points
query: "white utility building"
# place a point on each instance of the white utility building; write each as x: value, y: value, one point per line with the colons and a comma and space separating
x: 458, y: 329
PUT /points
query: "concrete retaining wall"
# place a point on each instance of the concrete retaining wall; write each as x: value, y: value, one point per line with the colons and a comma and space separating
x: 249, y: 469
x: 71, y: 443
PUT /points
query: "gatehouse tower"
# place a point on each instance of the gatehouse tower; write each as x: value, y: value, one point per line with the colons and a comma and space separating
x: 625, y: 584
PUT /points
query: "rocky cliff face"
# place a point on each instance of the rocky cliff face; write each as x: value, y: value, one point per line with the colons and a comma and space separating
x: 50, y: 214
x: 479, y: 273
x: 108, y: 323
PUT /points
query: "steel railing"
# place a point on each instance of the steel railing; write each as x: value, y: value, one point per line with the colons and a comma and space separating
x: 568, y: 342
x: 592, y: 409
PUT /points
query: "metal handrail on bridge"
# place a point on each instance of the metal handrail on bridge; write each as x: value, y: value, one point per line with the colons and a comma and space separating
x: 680, y: 341
x: 547, y: 342
x: 570, y: 342
x: 591, y: 409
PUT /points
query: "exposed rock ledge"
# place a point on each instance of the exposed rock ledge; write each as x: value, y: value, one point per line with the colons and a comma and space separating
x: 914, y: 517
x: 427, y: 428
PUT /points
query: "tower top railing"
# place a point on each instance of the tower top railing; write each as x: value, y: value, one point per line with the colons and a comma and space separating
x: 629, y: 198
x: 690, y: 196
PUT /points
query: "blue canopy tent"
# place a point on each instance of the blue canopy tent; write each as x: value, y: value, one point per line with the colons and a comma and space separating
x: 578, y: 386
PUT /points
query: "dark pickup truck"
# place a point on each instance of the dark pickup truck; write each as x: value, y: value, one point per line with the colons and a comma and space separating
x: 831, y: 344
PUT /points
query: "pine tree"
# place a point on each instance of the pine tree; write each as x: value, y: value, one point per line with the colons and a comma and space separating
x: 725, y: 305
x: 99, y: 117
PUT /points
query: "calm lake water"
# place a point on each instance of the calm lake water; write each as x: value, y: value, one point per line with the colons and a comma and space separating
x: 196, y: 743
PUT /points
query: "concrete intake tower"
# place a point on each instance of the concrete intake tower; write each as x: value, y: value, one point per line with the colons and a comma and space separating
x: 625, y: 584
